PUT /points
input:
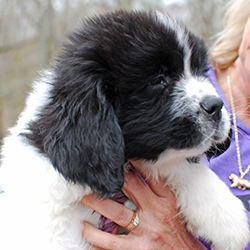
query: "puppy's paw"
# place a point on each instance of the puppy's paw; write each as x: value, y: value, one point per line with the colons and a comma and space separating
x: 222, y: 221
x: 231, y: 231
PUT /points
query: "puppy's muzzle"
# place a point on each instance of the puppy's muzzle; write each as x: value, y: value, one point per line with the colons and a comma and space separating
x: 218, y: 149
x: 212, y: 106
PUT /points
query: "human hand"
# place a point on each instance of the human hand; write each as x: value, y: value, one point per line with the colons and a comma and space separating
x: 160, y: 226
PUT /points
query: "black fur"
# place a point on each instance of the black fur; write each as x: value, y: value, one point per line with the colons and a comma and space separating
x: 111, y: 98
x: 220, y: 148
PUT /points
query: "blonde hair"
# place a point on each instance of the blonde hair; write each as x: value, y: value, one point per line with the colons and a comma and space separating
x: 225, y: 49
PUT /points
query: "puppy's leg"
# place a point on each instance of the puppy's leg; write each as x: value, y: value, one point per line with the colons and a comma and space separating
x: 209, y: 208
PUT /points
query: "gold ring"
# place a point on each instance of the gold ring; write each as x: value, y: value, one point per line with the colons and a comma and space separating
x: 134, y: 222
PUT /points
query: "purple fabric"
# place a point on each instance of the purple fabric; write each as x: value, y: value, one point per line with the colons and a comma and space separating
x: 106, y: 224
x: 223, y: 165
x: 131, y: 167
x: 226, y: 164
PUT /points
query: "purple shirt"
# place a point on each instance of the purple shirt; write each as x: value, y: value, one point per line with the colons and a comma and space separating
x: 226, y: 164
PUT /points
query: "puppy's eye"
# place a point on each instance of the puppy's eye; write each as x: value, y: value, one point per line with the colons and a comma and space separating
x: 158, y: 81
x: 161, y: 81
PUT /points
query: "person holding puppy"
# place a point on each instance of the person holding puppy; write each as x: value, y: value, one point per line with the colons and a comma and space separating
x: 159, y: 225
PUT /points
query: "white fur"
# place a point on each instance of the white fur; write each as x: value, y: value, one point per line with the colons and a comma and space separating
x: 39, y: 209
x: 210, y: 210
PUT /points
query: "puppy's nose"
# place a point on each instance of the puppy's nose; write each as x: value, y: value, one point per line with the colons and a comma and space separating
x: 212, y: 105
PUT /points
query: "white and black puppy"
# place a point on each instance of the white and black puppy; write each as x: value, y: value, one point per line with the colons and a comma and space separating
x: 128, y: 85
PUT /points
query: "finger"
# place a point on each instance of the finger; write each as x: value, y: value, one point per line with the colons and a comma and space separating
x: 136, y: 191
x: 115, y: 230
x: 162, y: 190
x: 105, y: 240
x: 96, y: 248
x: 158, y: 186
x: 112, y: 210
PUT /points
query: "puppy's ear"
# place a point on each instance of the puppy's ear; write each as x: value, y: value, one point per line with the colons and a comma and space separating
x: 79, y: 132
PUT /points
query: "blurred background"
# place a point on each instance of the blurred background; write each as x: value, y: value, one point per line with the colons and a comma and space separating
x: 32, y: 31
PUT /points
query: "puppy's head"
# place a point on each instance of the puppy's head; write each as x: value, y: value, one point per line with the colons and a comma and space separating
x: 129, y: 85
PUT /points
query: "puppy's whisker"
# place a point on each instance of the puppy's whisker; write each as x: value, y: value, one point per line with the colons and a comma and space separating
x: 127, y: 85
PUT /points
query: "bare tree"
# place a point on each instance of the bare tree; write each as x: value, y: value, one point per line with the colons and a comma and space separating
x: 204, y: 17
x: 32, y: 32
